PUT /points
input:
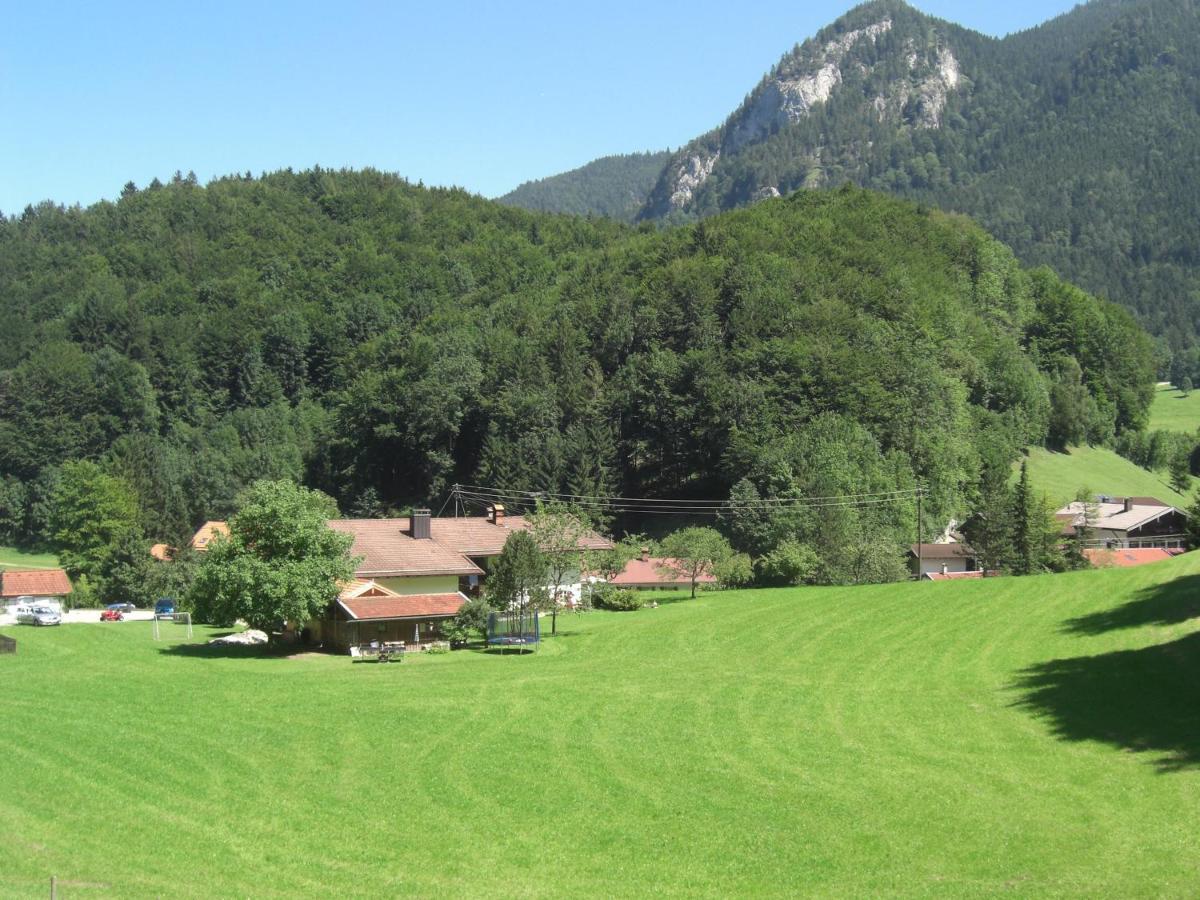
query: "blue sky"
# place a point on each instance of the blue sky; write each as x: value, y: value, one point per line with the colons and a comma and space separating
x: 482, y: 95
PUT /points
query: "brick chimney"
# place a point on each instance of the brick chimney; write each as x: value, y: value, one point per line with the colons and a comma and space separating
x: 645, y: 554
x: 419, y: 526
x: 496, y: 513
x: 1128, y: 504
x: 945, y: 569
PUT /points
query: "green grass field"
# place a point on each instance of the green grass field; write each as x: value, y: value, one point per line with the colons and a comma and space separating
x: 12, y: 558
x: 1061, y: 475
x: 1174, y: 412
x: 1034, y: 737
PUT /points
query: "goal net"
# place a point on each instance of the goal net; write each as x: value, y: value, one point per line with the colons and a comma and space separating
x: 176, y: 628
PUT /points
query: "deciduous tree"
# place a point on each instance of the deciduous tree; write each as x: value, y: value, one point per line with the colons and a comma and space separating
x: 281, y: 563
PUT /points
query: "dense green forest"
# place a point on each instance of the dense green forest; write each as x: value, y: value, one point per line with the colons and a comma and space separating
x: 612, y: 186
x: 1075, y: 143
x: 381, y: 341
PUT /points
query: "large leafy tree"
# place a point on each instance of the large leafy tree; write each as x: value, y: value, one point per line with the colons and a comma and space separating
x: 695, y: 552
x: 93, y: 515
x: 280, y: 563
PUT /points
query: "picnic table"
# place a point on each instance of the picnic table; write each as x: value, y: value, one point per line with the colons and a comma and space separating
x: 381, y: 651
x: 388, y: 649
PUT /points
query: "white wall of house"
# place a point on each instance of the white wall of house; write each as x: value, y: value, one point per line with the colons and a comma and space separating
x: 573, y: 585
x: 421, y: 584
x: 934, y: 566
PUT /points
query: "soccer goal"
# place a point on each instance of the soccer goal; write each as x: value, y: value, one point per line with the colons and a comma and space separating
x: 177, y: 628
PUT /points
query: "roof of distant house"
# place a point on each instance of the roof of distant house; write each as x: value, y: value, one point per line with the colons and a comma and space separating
x: 208, y: 531
x: 480, y: 536
x: 942, y: 551
x: 161, y: 552
x: 1128, y: 557
x: 34, y: 583
x: 952, y: 576
x: 403, y: 606
x: 387, y: 550
x: 656, y: 571
x: 1115, y: 515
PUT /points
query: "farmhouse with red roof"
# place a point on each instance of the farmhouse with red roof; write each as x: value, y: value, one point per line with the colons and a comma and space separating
x: 413, y: 573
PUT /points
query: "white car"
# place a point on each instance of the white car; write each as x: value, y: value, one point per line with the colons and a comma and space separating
x: 25, y: 604
x: 39, y: 615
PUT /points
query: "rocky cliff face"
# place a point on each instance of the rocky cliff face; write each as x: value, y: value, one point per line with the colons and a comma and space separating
x: 901, y: 73
x: 791, y: 95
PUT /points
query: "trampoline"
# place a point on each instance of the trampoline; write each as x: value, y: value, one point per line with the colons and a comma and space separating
x: 519, y: 630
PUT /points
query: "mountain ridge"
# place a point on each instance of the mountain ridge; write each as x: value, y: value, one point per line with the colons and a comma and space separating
x: 1074, y: 141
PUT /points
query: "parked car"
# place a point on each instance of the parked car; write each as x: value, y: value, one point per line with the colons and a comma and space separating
x: 26, y: 603
x: 164, y: 608
x: 124, y: 606
x: 39, y: 615
x: 111, y: 615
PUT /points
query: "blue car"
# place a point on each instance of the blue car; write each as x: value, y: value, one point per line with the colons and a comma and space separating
x: 164, y: 608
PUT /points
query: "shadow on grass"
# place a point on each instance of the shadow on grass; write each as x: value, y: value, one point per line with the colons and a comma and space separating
x: 1142, y: 701
x: 236, y: 651
x: 1163, y: 604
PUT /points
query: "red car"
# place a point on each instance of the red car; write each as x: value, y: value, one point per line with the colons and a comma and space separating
x: 111, y: 615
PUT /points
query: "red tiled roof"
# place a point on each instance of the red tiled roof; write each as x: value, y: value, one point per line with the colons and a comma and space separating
x: 207, y: 532
x: 1126, y: 558
x: 478, y: 536
x: 647, y: 572
x: 952, y: 576
x: 34, y: 583
x: 411, y: 606
x: 388, y: 550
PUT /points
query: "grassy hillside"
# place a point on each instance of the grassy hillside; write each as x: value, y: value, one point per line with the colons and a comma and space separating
x: 1172, y: 411
x: 1061, y: 475
x: 12, y: 558
x: 1030, y: 735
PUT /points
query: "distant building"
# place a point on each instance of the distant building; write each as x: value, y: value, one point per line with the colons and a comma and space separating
x: 942, y: 559
x: 40, y: 584
x: 656, y: 572
x: 415, y: 572
x: 1128, y: 558
x: 1127, y: 523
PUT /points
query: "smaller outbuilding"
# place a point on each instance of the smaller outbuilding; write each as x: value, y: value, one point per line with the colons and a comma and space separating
x: 40, y: 584
x: 942, y: 559
x: 656, y: 572
x: 366, y: 611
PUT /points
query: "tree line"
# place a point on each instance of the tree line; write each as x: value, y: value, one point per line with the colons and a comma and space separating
x: 381, y: 341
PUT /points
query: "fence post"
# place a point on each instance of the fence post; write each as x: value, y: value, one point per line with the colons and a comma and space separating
x: 53, y: 887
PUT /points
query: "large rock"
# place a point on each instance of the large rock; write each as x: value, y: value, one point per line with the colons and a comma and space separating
x: 242, y: 638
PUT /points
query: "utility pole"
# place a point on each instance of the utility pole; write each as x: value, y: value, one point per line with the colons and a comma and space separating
x: 920, y: 529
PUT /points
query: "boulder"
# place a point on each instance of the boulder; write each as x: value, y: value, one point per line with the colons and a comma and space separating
x: 241, y: 638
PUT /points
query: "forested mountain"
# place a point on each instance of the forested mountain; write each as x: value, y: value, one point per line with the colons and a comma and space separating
x: 381, y: 341
x: 1077, y: 143
x: 613, y: 186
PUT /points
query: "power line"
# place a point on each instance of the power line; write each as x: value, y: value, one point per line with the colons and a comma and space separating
x: 541, y: 495
x: 487, y: 496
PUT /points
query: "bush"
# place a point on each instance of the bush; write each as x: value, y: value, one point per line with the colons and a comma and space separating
x: 736, y: 571
x: 471, y: 620
x: 790, y: 563
x: 619, y: 599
